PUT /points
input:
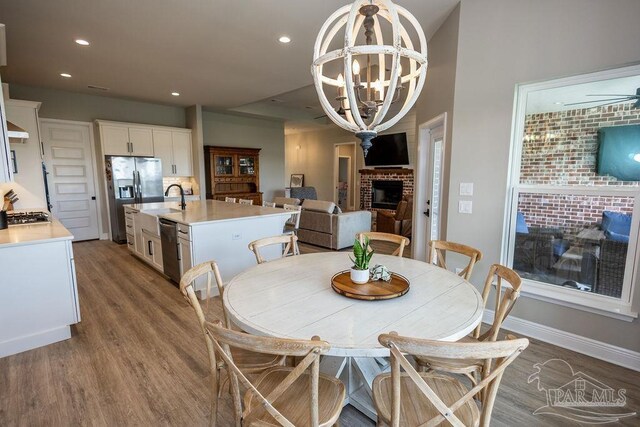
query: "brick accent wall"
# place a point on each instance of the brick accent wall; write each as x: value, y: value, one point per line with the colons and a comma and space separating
x: 571, y: 213
x: 367, y: 176
x: 560, y: 148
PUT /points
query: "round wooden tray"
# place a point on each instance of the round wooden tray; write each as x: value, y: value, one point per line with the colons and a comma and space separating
x: 372, y: 290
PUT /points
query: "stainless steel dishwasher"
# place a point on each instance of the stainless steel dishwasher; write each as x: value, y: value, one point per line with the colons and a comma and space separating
x: 170, y: 254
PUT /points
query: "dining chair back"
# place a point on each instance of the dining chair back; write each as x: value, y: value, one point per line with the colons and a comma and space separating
x: 412, y: 398
x: 210, y: 271
x: 266, y: 204
x: 293, y: 223
x: 245, y: 201
x: 439, y: 248
x: 289, y: 243
x: 251, y: 362
x: 508, y: 284
x: 401, y: 241
x: 291, y: 396
x: 230, y: 199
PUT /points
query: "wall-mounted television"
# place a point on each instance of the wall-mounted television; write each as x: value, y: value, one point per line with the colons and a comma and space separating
x: 619, y: 152
x: 388, y: 150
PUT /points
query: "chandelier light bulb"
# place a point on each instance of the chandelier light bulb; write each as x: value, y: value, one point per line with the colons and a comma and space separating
x: 356, y: 67
x: 362, y: 105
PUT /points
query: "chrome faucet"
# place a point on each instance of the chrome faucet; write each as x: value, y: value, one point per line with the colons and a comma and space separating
x: 183, y: 204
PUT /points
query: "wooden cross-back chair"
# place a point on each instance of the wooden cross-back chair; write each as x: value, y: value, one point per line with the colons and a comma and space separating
x: 230, y: 199
x: 245, y: 201
x: 249, y: 362
x: 412, y: 398
x: 268, y: 204
x: 438, y: 249
x: 508, y: 285
x: 288, y: 242
x: 285, y: 396
x: 401, y: 241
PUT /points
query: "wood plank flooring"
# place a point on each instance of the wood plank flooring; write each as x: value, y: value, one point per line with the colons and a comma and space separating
x: 137, y: 358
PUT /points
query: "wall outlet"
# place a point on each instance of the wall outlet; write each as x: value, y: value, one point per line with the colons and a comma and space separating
x: 236, y: 236
x: 465, y: 206
x: 466, y: 188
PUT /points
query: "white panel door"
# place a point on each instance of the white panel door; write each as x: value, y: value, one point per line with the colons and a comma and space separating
x: 68, y: 157
x: 163, y: 150
x: 115, y: 140
x: 142, y: 141
x: 182, y: 158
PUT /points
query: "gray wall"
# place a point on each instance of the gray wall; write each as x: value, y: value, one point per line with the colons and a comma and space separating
x: 58, y: 104
x: 236, y: 131
x: 501, y: 43
x: 437, y: 96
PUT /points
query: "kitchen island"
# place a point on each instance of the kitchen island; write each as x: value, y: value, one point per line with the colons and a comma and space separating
x: 38, y: 290
x: 205, y: 231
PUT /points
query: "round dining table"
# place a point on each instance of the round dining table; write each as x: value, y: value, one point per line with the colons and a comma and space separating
x: 292, y: 297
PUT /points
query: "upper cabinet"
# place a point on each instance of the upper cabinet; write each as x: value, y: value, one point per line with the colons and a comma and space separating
x: 5, y: 158
x: 173, y: 147
x: 124, y: 140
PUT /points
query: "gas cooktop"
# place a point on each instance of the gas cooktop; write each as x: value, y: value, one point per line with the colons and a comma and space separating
x: 19, y: 218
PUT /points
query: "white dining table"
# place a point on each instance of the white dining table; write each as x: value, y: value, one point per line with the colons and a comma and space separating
x: 292, y: 298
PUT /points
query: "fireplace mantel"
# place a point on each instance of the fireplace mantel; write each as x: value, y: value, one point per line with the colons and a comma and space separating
x: 381, y: 171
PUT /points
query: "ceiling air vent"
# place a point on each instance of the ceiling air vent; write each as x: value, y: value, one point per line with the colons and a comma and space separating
x: 98, y: 88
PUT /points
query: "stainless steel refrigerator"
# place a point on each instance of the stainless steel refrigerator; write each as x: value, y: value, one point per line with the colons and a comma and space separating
x: 131, y: 180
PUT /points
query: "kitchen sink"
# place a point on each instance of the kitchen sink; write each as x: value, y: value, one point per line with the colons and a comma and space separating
x: 161, y: 211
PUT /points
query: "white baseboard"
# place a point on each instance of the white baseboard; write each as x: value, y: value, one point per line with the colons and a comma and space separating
x: 598, y: 349
x: 104, y: 236
x: 40, y: 339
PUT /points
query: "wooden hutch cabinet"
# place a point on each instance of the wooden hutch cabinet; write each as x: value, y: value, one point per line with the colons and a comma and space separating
x: 233, y: 172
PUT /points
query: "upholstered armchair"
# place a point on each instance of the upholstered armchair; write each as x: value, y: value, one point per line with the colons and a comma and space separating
x: 398, y: 222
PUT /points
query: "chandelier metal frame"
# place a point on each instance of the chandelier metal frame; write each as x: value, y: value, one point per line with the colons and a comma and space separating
x: 369, y: 119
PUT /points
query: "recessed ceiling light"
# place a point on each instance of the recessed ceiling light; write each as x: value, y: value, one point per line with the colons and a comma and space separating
x: 65, y: 75
x: 175, y: 93
x: 284, y: 39
x: 558, y: 103
x: 637, y: 157
x: 82, y: 42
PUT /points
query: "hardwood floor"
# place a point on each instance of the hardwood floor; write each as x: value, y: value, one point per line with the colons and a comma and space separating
x: 137, y: 358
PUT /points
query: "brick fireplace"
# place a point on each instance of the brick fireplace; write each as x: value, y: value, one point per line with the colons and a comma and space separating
x: 382, y: 189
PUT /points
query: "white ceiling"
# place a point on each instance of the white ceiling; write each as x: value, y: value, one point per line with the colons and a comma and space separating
x: 556, y: 99
x: 222, y: 54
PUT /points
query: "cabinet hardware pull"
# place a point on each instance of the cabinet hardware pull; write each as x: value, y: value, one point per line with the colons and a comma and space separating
x: 183, y: 232
x: 149, y: 244
x: 179, y: 251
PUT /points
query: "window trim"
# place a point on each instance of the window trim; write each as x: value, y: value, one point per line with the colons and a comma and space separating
x: 623, y: 308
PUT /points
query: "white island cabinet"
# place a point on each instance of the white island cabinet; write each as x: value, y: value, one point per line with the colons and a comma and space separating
x: 38, y: 291
x: 208, y: 230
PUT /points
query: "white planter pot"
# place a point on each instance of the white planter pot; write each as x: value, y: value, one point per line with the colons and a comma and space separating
x: 359, y: 276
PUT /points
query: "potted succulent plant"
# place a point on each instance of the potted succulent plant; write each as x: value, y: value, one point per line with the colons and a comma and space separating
x: 362, y: 254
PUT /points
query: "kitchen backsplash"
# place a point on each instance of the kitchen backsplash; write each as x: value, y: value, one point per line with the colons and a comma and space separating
x: 188, y: 184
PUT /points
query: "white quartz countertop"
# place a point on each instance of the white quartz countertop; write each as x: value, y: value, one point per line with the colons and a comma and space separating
x: 203, y: 212
x: 27, y: 234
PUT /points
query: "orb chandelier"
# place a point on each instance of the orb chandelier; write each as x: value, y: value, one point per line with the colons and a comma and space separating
x: 362, y: 102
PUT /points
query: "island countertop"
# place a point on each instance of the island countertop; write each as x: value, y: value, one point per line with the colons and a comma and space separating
x: 203, y: 212
x: 26, y: 234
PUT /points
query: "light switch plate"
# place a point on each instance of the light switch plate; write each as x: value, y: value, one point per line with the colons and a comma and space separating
x: 465, y: 206
x: 466, y: 188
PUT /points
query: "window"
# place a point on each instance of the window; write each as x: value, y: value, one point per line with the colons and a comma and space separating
x: 573, y: 217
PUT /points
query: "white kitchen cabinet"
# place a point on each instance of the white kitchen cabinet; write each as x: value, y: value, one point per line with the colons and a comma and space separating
x: 141, y: 141
x: 174, y: 149
x: 115, y: 140
x: 5, y: 157
x: 182, y: 155
x: 39, y: 295
x: 152, y: 250
x: 184, y: 248
x: 124, y: 140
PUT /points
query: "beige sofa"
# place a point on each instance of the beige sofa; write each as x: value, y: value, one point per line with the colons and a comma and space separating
x: 320, y: 226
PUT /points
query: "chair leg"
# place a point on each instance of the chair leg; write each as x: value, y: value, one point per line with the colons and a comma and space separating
x: 213, y: 416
